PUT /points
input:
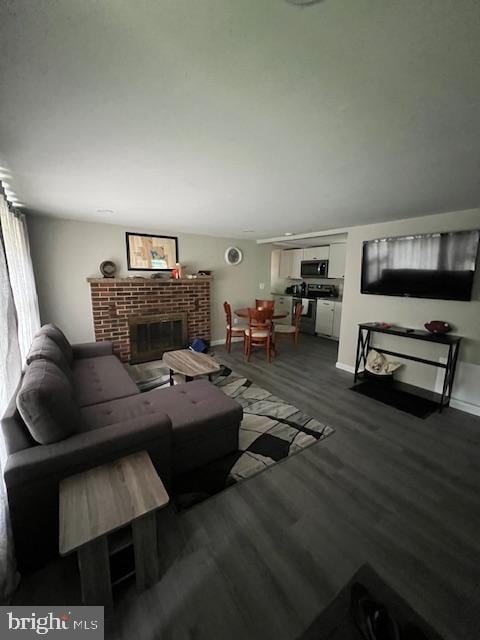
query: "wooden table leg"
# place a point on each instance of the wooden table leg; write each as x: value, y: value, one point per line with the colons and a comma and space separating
x: 144, y: 532
x: 94, y: 565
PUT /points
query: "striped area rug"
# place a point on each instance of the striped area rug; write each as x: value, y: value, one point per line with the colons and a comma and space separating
x: 272, y: 429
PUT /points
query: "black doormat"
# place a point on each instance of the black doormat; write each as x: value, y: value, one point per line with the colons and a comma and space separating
x: 337, y: 621
x: 410, y: 403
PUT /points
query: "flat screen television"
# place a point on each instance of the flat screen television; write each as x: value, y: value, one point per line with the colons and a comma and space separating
x: 434, y: 265
x: 146, y: 252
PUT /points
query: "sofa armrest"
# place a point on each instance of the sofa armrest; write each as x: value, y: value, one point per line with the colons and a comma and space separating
x: 92, y: 349
x: 152, y: 432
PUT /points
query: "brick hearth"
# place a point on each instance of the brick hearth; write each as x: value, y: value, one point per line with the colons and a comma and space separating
x: 114, y: 300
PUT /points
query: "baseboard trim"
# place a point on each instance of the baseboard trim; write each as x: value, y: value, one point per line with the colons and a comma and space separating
x: 468, y: 407
x: 345, y: 367
x: 216, y: 343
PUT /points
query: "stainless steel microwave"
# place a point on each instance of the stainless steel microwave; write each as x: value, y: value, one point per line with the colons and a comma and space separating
x: 314, y: 269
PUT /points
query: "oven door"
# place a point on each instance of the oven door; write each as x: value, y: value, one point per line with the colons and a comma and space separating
x: 309, y: 317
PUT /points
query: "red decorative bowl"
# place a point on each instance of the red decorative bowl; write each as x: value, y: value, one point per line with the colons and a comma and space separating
x: 437, y: 326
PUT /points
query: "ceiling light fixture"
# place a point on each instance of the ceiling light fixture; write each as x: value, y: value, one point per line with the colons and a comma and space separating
x: 105, y: 211
x: 288, y: 233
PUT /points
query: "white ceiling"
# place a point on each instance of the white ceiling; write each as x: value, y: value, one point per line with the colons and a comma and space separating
x: 220, y: 116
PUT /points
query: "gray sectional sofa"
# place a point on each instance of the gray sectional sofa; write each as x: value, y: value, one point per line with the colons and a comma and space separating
x: 76, y: 407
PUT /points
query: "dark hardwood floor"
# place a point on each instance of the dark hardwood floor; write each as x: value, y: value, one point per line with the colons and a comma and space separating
x: 263, y: 558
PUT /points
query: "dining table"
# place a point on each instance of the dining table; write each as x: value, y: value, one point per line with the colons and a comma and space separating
x: 243, y: 313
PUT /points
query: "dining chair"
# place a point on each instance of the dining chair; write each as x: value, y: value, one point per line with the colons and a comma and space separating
x: 259, y: 332
x: 290, y: 330
x: 232, y: 329
x: 264, y: 304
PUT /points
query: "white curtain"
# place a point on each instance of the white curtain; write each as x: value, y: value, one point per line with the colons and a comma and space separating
x: 10, y: 371
x: 19, y: 320
x: 20, y: 270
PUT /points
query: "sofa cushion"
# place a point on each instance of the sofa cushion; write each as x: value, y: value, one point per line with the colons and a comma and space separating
x: 44, y: 348
x: 45, y: 402
x: 55, y: 334
x: 16, y: 436
x: 196, y: 409
x: 101, y: 379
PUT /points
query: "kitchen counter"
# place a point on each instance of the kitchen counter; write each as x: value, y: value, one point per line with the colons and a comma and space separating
x: 331, y: 298
x: 289, y: 295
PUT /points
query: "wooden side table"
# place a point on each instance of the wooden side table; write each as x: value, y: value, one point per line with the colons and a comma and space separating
x: 105, y: 511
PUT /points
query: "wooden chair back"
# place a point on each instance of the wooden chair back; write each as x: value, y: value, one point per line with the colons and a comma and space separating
x: 228, y: 313
x: 265, y: 304
x: 260, y: 318
x: 297, y: 315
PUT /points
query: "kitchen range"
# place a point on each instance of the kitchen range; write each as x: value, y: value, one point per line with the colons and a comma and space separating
x: 311, y: 308
x: 321, y: 308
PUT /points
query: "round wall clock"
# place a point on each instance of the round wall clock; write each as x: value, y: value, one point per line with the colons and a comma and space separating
x: 233, y: 255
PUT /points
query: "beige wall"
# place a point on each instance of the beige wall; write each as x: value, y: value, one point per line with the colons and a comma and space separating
x: 465, y: 316
x: 66, y: 252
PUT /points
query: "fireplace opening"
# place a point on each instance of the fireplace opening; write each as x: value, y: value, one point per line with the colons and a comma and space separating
x: 151, y: 336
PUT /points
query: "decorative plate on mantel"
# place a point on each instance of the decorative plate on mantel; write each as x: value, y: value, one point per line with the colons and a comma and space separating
x: 233, y: 256
x: 108, y: 269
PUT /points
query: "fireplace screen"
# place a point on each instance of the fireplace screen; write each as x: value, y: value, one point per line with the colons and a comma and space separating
x: 151, y: 336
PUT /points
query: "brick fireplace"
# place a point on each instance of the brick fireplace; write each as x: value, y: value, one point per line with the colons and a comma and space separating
x: 119, y: 303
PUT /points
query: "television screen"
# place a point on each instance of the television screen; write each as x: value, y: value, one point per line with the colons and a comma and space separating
x: 151, y: 253
x: 434, y: 265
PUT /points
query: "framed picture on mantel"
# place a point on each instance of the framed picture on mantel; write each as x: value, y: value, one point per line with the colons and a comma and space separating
x: 146, y: 252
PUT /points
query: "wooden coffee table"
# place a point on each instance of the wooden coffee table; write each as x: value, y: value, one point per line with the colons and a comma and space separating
x: 110, y: 510
x: 190, y: 364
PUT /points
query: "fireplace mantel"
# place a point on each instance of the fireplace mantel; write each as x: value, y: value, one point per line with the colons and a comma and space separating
x: 115, y: 300
x: 135, y: 280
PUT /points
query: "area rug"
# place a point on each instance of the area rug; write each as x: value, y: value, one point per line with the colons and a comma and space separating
x: 271, y: 430
x: 338, y: 621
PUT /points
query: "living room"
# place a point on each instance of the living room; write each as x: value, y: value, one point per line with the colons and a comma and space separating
x: 240, y: 292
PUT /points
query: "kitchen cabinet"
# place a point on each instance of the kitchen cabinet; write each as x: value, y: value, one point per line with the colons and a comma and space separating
x: 290, y: 263
x: 283, y: 304
x: 337, y: 317
x: 296, y: 263
x: 336, y: 263
x: 316, y: 253
x: 285, y: 265
x: 324, y: 319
